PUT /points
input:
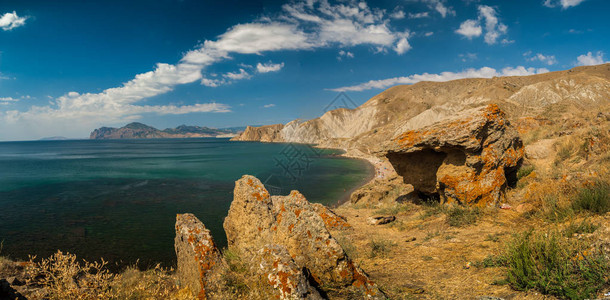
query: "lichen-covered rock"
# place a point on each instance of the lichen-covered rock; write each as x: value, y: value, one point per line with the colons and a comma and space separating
x: 199, y: 261
x: 390, y: 190
x: 256, y: 219
x: 469, y: 158
x: 286, y: 280
x: 330, y: 218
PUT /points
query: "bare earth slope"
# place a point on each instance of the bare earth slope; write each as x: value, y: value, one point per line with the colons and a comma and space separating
x: 410, y: 107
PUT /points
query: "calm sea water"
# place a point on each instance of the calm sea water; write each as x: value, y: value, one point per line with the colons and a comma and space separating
x: 118, y: 199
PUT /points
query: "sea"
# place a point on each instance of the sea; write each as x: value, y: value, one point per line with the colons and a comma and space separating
x: 118, y: 199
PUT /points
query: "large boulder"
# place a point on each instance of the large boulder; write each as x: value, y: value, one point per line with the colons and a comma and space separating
x: 279, y: 271
x: 199, y: 261
x: 257, y: 219
x: 469, y: 158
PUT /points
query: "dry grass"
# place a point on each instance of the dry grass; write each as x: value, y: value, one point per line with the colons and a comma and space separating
x: 63, y: 276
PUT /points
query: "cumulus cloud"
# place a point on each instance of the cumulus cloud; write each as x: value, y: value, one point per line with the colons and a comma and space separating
x: 269, y: 105
x: 590, y: 59
x: 403, y: 44
x: 563, y: 3
x: 493, y: 28
x: 547, y: 59
x: 299, y: 26
x: 10, y: 21
x: 397, y: 14
x: 440, y: 7
x: 430, y: 33
x: 470, y: 29
x: 268, y: 67
x: 484, y: 72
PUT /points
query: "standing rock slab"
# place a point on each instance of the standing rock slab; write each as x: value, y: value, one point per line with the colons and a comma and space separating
x: 199, y: 261
x: 256, y: 219
x: 469, y: 158
x: 275, y: 267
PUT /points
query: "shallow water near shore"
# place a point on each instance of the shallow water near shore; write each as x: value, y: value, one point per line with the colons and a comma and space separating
x: 118, y: 199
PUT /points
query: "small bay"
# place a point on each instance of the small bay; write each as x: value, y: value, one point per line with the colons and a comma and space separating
x: 118, y: 199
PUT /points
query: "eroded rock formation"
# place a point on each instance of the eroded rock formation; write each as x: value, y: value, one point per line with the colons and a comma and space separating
x: 469, y: 158
x: 199, y: 261
x: 257, y: 219
x: 286, y: 279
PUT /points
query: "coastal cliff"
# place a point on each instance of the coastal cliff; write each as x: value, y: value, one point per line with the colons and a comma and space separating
x: 142, y: 131
x: 410, y: 107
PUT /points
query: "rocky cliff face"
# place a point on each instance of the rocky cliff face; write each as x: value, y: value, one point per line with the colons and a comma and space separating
x: 141, y: 131
x: 410, y: 107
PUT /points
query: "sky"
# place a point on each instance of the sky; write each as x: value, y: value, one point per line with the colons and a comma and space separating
x: 68, y: 67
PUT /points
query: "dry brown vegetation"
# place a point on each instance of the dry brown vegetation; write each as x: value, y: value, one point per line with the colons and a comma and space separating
x: 554, y: 240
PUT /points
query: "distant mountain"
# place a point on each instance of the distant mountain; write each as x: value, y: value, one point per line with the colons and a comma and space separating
x: 137, y: 130
x: 54, y: 138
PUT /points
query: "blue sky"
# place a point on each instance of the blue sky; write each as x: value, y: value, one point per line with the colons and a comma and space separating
x: 68, y: 67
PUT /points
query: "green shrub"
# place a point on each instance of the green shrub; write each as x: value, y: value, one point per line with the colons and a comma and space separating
x: 553, y: 211
x: 582, y: 227
x: 555, y: 265
x: 595, y: 199
x: 460, y: 216
x: 525, y: 170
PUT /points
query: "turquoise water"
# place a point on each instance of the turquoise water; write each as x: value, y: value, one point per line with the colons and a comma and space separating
x: 118, y: 199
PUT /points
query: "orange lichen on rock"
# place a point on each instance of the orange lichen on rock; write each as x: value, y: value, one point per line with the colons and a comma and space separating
x: 330, y: 218
x: 470, y: 157
x: 291, y: 222
x: 197, y: 254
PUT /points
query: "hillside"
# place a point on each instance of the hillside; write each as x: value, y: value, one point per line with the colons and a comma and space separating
x: 142, y: 131
x: 410, y: 107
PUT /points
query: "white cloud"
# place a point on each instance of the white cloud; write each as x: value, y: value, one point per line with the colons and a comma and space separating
x: 397, y: 14
x: 470, y: 29
x: 493, y: 28
x: 428, y: 33
x: 268, y: 67
x: 485, y: 72
x: 590, y: 59
x: 563, y: 3
x: 269, y: 105
x: 12, y: 100
x: 440, y: 7
x: 343, y: 54
x: 547, y: 59
x: 10, y: 21
x: 242, y: 74
x: 403, y: 44
x: 419, y: 15
x: 300, y: 26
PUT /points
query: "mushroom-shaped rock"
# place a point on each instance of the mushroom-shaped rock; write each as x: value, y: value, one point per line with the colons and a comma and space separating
x: 469, y: 158
x: 199, y: 261
x: 255, y: 219
x: 287, y: 281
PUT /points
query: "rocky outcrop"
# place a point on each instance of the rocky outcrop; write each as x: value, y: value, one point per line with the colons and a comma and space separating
x: 286, y: 280
x: 267, y: 133
x: 141, y: 131
x: 199, y: 261
x: 469, y: 158
x: 387, y: 191
x: 257, y: 219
